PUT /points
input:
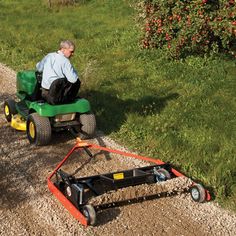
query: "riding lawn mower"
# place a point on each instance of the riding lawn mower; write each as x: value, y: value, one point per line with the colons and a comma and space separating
x: 39, y: 119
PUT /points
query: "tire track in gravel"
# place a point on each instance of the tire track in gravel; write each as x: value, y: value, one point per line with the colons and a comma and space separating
x: 28, y: 208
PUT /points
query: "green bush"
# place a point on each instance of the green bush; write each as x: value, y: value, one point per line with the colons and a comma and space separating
x: 189, y: 26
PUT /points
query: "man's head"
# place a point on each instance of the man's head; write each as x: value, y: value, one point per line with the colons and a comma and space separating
x: 67, y: 48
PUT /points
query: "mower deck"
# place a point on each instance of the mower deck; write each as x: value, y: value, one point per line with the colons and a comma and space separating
x: 81, y: 196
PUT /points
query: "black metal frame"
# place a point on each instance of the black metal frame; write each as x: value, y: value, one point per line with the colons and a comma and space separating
x: 80, y: 190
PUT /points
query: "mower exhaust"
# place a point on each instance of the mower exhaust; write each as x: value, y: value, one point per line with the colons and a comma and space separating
x: 82, y: 197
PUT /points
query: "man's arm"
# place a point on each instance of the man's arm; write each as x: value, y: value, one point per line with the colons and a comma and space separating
x: 70, y: 73
x: 40, y: 65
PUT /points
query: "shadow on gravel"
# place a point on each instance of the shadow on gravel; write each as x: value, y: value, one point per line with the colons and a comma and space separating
x: 5, y: 96
x: 61, y: 137
x: 107, y: 215
x: 111, y: 111
x: 10, y: 154
x: 24, y: 168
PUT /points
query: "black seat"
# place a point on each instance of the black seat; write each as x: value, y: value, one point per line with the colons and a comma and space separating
x: 37, y: 94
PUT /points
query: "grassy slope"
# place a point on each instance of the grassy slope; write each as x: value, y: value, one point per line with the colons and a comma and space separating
x: 183, y: 112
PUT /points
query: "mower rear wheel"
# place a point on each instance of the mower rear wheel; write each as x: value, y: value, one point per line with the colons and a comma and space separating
x: 38, y: 129
x: 87, y: 125
x: 198, y: 193
x: 90, y: 214
x: 162, y: 175
x: 9, y: 109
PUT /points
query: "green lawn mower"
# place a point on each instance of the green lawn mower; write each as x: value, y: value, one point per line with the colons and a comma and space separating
x: 39, y: 119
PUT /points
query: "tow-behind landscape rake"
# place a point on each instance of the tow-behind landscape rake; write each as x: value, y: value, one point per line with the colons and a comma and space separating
x: 84, y: 196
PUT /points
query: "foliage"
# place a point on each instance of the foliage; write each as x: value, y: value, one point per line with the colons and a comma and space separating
x: 189, y: 26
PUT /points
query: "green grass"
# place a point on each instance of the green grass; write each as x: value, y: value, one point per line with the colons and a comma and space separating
x: 182, y: 112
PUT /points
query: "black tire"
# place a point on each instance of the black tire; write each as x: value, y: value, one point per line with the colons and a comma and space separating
x: 162, y: 175
x: 90, y: 214
x: 9, y: 109
x: 87, y: 125
x: 198, y: 193
x: 38, y: 129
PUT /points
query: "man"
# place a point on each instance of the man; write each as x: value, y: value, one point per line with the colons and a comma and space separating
x: 60, y: 81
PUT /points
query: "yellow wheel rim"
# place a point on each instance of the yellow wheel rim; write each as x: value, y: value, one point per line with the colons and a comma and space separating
x: 32, y: 130
x: 7, y: 111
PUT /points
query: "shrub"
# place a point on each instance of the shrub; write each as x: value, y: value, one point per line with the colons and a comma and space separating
x: 189, y: 26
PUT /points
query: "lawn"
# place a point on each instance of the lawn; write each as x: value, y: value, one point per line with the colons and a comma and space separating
x: 179, y: 111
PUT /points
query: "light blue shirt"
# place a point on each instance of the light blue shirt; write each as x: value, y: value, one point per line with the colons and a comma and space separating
x: 55, y: 66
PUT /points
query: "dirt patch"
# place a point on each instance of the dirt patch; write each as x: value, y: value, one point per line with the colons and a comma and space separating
x: 28, y: 208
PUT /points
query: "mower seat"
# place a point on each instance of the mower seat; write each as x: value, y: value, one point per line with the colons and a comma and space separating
x: 37, y: 93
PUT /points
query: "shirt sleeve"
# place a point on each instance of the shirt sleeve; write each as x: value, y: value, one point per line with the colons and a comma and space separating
x: 69, y: 72
x: 40, y: 65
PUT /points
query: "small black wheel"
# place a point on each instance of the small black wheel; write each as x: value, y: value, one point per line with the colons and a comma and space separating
x: 90, y: 214
x: 87, y: 125
x: 9, y: 109
x: 162, y: 175
x: 198, y: 193
x: 38, y: 129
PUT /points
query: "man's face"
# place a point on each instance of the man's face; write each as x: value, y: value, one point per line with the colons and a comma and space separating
x: 68, y: 52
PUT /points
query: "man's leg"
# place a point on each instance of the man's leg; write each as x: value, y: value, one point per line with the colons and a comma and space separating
x: 45, y: 95
x: 61, y: 91
x: 71, y: 91
x: 55, y: 93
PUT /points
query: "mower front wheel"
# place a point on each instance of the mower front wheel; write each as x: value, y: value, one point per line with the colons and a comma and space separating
x: 9, y: 109
x: 90, y: 214
x: 38, y: 129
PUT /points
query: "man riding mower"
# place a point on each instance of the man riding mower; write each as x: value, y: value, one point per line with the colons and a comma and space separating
x: 39, y: 118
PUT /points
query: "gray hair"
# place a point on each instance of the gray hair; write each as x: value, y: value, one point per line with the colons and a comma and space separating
x: 67, y: 44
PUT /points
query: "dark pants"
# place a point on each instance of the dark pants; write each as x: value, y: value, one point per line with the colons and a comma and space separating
x: 61, y: 91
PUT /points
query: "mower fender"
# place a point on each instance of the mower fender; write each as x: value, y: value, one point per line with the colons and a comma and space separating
x: 44, y: 109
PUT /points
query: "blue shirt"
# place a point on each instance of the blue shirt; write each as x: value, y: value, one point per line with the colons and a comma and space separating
x: 55, y: 66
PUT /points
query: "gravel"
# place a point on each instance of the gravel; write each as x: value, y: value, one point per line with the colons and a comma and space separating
x: 28, y: 208
x: 176, y: 185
